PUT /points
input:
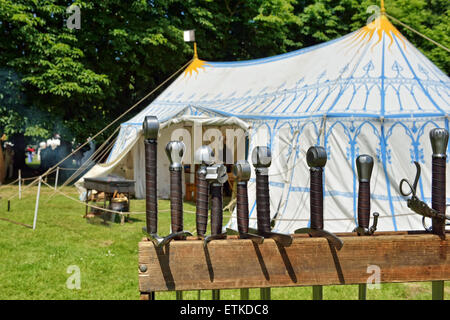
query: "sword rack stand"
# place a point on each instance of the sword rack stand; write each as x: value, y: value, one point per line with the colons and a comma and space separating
x: 310, y: 257
x: 234, y: 263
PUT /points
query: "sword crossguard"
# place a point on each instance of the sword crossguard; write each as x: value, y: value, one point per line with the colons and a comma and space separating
x: 209, y: 238
x: 281, y: 238
x: 361, y: 231
x: 159, y: 241
x: 316, y: 233
x: 244, y: 235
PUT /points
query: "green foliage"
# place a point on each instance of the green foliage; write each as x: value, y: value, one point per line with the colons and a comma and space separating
x: 77, y: 81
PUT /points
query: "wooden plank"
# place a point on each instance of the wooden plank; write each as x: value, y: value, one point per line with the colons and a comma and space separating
x: 235, y: 263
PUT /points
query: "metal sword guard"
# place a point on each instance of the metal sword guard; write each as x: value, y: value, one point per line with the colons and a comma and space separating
x: 417, y: 205
x: 368, y: 231
x: 332, y: 239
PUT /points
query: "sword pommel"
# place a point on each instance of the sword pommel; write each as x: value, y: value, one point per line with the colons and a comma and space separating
x: 364, y: 166
x: 204, y: 155
x: 150, y: 127
x: 242, y: 170
x: 439, y: 141
x: 316, y: 157
x: 175, y: 152
x: 262, y: 159
x: 217, y: 174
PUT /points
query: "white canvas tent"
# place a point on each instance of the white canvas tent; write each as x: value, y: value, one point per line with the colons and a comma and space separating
x: 369, y: 92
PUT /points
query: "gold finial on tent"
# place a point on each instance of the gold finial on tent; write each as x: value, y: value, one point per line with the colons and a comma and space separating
x: 196, y: 64
x: 383, y: 9
x: 195, y: 51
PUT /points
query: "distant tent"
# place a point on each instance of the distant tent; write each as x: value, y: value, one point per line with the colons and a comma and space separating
x: 369, y: 92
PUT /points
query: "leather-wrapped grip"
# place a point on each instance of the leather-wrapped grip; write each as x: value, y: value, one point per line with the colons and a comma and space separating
x: 201, y: 217
x: 216, y: 209
x: 364, y: 204
x: 151, y: 200
x: 316, y: 198
x: 438, y: 201
x: 263, y: 202
x: 176, y: 201
x: 242, y: 207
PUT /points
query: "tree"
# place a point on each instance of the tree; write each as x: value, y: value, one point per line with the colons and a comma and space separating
x: 74, y: 82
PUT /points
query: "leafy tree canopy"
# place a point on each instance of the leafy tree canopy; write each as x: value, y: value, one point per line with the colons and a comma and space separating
x: 54, y: 79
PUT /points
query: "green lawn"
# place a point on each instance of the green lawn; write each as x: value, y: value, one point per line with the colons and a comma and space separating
x: 33, y: 264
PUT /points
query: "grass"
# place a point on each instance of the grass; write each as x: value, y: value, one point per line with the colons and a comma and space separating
x: 34, y: 264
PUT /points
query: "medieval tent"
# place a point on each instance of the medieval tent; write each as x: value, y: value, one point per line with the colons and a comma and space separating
x: 369, y: 92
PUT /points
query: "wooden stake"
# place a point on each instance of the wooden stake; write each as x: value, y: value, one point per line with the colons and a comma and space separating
x: 20, y: 184
x: 37, y: 203
x: 56, y: 178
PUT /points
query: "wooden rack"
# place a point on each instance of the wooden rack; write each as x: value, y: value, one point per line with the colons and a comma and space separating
x: 235, y: 263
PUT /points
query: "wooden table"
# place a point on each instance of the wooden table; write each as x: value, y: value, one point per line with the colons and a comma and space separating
x: 109, y: 185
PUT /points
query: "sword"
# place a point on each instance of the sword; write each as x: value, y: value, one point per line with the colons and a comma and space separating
x: 151, y: 129
x: 316, y: 158
x: 439, y: 142
x: 262, y: 158
x: 242, y: 172
x: 217, y: 176
x: 364, y: 166
x: 205, y: 156
x: 175, y: 152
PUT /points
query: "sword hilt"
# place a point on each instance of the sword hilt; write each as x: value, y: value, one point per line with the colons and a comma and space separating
x: 263, y: 202
x: 175, y: 152
x: 201, y: 217
x: 316, y: 197
x: 316, y: 157
x: 242, y: 172
x: 151, y: 129
x: 364, y: 165
x: 262, y: 159
x: 242, y: 207
x: 216, y: 209
x: 205, y: 157
x: 439, y: 141
x: 217, y: 175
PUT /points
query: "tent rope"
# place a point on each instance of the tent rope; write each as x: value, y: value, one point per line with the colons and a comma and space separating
x: 119, y: 117
x: 419, y: 33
